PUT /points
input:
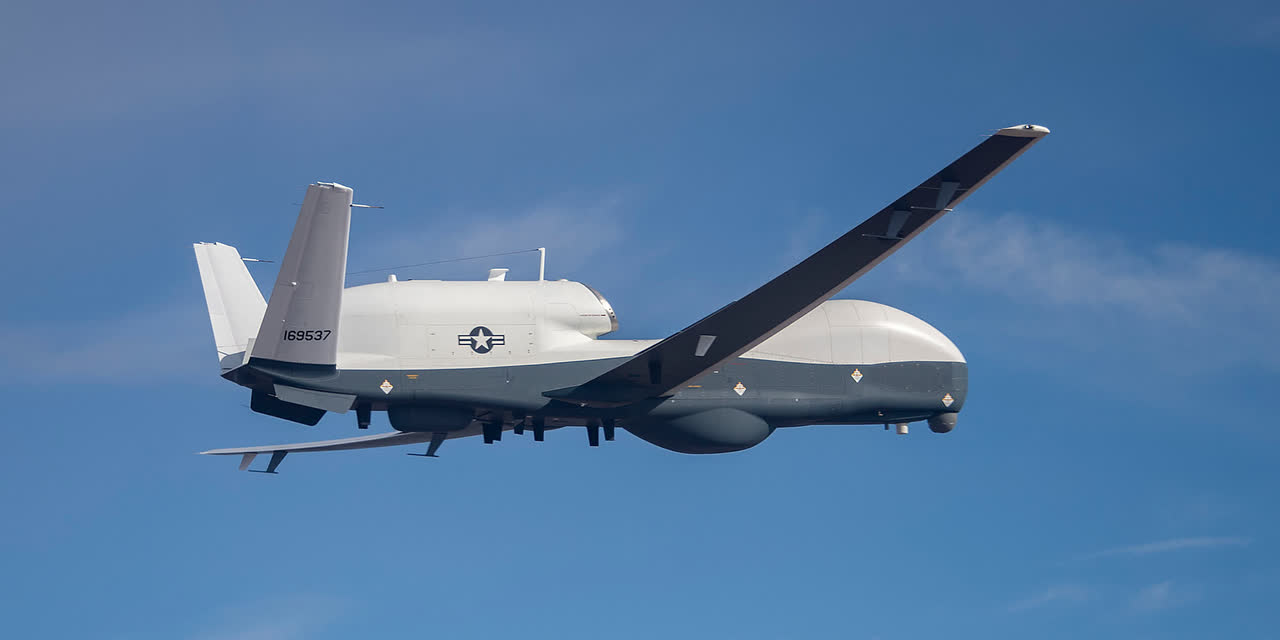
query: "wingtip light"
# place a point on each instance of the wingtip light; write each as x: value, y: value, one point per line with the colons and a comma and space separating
x: 1024, y: 131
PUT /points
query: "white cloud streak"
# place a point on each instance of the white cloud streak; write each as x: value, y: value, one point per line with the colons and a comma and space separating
x: 278, y: 619
x: 1057, y: 594
x: 574, y: 231
x: 1263, y: 30
x: 1168, y: 546
x: 1058, y: 266
x: 174, y: 343
x: 1102, y: 289
x: 1153, y: 597
x: 1162, y: 595
x: 311, y: 71
x: 143, y: 346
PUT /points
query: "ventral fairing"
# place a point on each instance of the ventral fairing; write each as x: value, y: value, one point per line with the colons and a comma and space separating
x: 449, y: 360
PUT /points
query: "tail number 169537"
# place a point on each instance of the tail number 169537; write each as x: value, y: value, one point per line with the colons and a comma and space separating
x: 308, y: 335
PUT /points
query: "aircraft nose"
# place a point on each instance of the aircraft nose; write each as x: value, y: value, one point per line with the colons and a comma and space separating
x: 913, y: 339
x: 880, y: 333
x: 955, y: 389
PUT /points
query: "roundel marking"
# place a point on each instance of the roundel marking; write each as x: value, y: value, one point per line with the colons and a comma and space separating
x: 482, y: 340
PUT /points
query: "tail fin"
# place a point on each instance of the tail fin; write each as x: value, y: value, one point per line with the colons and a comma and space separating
x: 235, y: 303
x: 301, y: 322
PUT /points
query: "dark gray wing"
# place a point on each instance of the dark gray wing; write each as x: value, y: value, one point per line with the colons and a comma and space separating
x: 666, y: 366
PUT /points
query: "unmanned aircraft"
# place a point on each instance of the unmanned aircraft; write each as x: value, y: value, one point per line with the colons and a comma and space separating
x: 453, y: 359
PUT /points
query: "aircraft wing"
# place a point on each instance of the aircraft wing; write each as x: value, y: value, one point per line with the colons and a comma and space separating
x: 667, y: 365
x: 391, y: 439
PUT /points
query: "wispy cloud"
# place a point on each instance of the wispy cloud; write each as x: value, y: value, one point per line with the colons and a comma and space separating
x: 310, y: 71
x: 158, y: 343
x: 172, y: 342
x: 575, y: 231
x: 1057, y: 594
x: 1162, y: 595
x: 1267, y: 30
x: 1102, y: 287
x: 277, y: 619
x: 1150, y: 598
x: 1056, y: 265
x: 1171, y: 545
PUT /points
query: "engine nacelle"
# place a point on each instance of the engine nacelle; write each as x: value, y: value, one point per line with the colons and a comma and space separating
x: 713, y: 431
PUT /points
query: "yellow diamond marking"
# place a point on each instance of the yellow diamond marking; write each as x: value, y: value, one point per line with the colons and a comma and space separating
x: 947, y: 400
x: 386, y: 386
x: 856, y: 375
x: 739, y: 388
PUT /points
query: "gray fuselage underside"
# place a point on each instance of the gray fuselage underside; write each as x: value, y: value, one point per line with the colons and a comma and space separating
x: 783, y: 393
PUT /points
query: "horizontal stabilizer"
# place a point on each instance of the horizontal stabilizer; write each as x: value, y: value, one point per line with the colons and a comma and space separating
x: 267, y: 404
x: 335, y: 402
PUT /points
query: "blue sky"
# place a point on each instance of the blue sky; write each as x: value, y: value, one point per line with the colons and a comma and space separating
x: 1116, y: 292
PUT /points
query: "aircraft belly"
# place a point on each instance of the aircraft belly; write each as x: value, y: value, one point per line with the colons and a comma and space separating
x: 787, y: 393
x: 518, y: 387
x: 783, y: 393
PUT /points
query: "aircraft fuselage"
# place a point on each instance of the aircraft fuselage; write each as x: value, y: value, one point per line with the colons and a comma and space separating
x: 846, y: 362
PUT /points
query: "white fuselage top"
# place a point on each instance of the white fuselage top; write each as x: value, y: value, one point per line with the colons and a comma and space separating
x: 431, y: 324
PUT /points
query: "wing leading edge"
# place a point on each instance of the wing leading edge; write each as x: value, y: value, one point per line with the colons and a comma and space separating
x: 667, y: 365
